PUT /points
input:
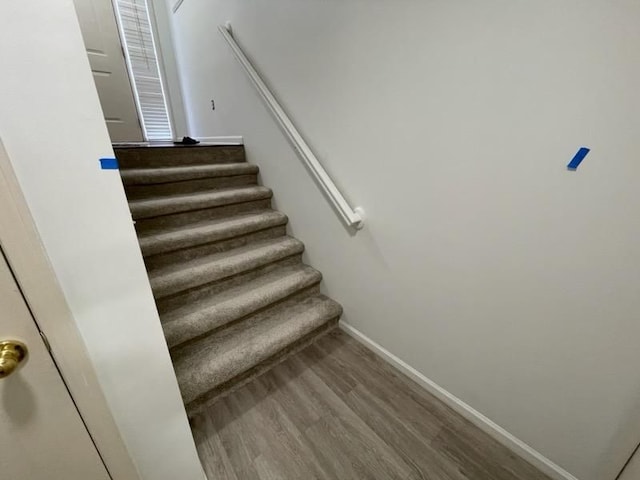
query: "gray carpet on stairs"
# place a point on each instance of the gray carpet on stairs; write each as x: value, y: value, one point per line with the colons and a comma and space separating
x: 233, y: 294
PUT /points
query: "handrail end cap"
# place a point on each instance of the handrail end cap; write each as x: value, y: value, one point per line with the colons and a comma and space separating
x: 359, y: 225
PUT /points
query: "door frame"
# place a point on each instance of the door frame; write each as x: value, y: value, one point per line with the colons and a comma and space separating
x: 34, y: 274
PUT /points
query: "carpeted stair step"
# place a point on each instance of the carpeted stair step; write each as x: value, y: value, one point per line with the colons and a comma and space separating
x: 181, y: 219
x: 155, y: 262
x: 166, y: 205
x: 175, y: 238
x: 182, y: 276
x: 210, y: 363
x: 147, y: 182
x: 147, y: 176
x: 196, y: 319
x: 200, y: 293
x: 168, y: 156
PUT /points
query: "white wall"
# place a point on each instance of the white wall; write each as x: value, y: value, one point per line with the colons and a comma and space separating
x: 52, y: 128
x: 484, y: 263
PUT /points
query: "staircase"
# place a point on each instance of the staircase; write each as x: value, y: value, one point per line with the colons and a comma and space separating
x: 233, y: 294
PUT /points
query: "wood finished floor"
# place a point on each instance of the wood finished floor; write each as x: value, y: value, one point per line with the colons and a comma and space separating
x: 336, y: 411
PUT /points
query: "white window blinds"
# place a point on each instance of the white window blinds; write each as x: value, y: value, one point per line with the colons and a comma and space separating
x: 140, y: 51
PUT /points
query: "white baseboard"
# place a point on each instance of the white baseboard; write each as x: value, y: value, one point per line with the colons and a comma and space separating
x: 485, y: 424
x: 229, y: 140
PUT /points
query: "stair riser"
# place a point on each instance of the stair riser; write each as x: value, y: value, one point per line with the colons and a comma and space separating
x: 178, y: 340
x: 173, y: 157
x: 197, y: 294
x: 135, y: 192
x: 185, y: 218
x: 185, y: 254
x: 209, y: 398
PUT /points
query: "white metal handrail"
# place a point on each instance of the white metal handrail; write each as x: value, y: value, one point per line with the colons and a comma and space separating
x: 353, y: 217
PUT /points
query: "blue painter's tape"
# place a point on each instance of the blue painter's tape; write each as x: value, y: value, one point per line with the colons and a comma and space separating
x: 109, y: 163
x: 578, y: 157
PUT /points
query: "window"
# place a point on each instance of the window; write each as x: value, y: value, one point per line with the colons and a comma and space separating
x: 142, y: 59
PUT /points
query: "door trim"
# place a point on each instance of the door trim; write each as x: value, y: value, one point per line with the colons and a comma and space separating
x: 30, y: 265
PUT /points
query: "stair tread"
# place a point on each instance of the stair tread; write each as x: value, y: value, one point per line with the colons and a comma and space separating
x: 174, y: 238
x: 167, y: 204
x: 213, y: 360
x: 195, y: 319
x: 147, y: 176
x: 184, y: 275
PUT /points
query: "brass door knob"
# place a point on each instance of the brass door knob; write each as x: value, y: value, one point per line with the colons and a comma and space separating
x: 12, y: 354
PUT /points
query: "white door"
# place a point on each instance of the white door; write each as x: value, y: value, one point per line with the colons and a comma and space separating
x: 42, y: 436
x: 102, y: 41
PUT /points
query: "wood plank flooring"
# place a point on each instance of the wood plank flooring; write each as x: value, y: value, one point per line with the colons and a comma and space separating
x: 335, y: 411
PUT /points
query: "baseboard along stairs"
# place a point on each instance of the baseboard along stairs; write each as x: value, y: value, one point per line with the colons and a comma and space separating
x: 233, y: 294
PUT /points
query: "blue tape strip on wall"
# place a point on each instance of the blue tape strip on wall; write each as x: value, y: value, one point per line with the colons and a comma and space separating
x: 109, y: 163
x: 578, y: 157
